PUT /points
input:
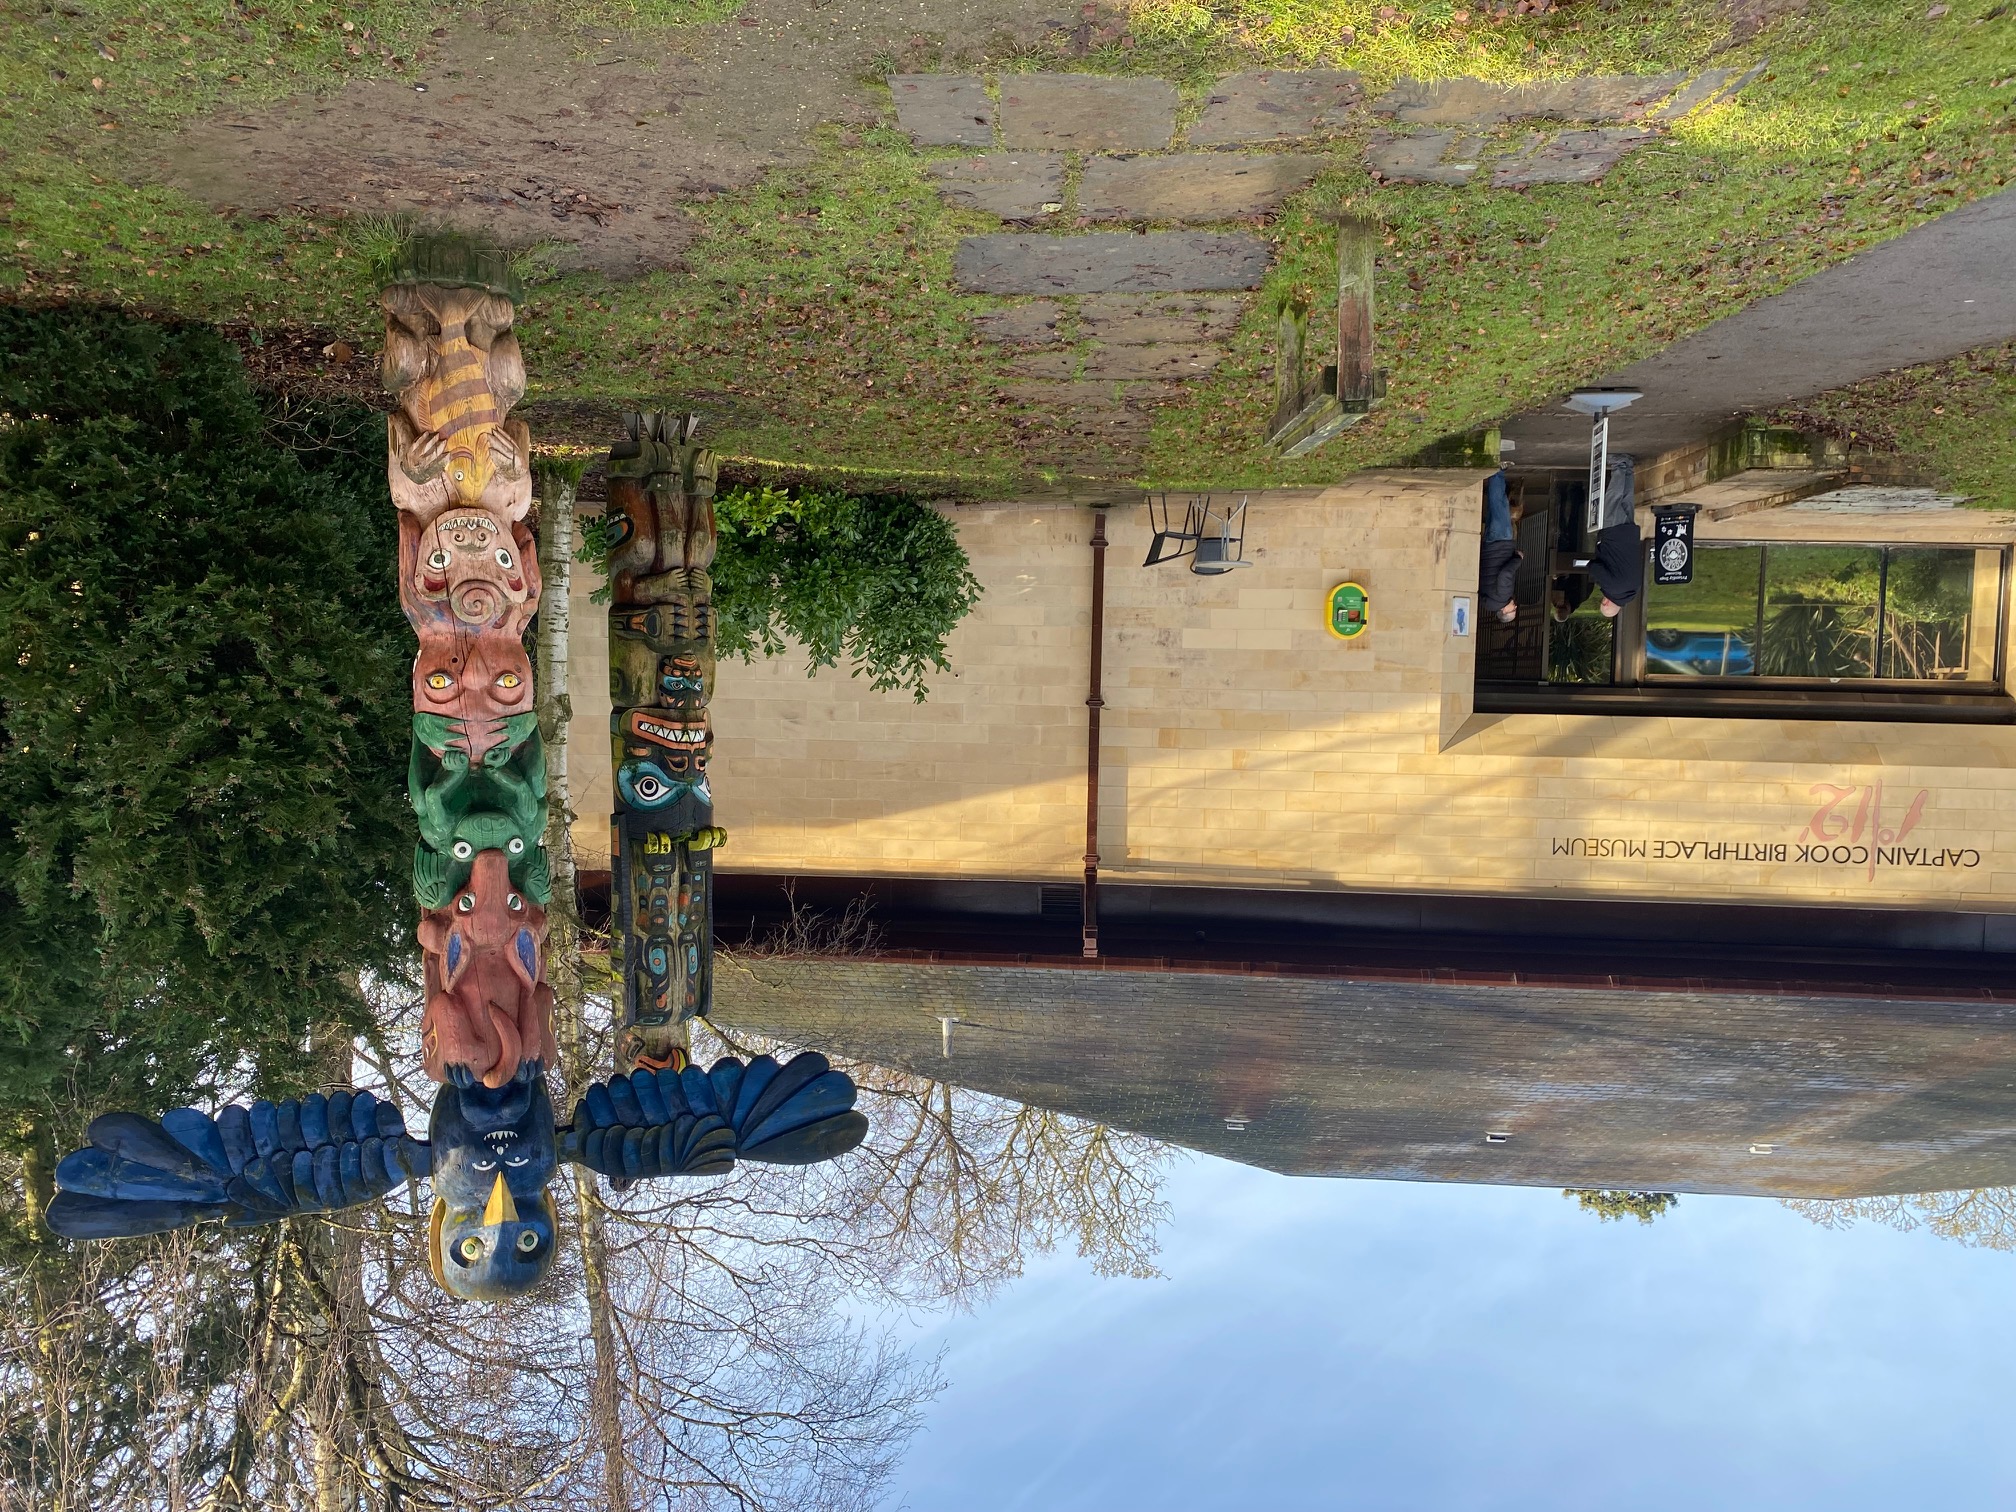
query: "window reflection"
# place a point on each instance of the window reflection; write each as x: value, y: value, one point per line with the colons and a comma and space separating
x: 1927, y: 609
x: 1820, y: 611
x: 1709, y: 627
x: 1827, y: 613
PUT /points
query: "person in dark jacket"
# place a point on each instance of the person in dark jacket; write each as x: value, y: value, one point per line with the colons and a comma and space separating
x: 1500, y: 558
x: 1617, y: 566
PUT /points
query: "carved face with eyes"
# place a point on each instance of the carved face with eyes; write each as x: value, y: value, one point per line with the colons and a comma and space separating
x: 478, y: 679
x: 489, y: 1011
x: 469, y: 559
x: 662, y: 758
x: 493, y: 1233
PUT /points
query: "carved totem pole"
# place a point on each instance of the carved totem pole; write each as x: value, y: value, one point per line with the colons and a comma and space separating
x: 460, y: 474
x: 661, y: 677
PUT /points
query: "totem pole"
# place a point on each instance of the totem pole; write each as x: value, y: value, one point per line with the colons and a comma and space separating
x: 460, y: 474
x: 660, y: 539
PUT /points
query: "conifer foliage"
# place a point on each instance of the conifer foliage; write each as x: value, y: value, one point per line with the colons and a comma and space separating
x: 203, y: 715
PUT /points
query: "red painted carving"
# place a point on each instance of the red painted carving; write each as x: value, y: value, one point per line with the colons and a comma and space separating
x: 488, y: 1005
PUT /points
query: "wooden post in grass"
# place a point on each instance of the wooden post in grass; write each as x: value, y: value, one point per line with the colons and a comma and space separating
x: 1358, y: 382
x: 1305, y: 416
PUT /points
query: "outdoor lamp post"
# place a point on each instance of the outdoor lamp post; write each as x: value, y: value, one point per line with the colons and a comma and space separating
x: 1598, y: 405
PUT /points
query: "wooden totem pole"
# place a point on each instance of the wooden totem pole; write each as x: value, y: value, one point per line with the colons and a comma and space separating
x: 661, y: 676
x: 460, y: 474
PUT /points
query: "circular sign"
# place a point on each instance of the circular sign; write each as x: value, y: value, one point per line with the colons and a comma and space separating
x: 1673, y: 554
x: 1349, y: 611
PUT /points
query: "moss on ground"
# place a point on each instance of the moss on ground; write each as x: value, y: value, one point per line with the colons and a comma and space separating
x: 818, y: 319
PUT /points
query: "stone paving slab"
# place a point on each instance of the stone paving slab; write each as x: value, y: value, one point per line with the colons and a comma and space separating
x: 1193, y: 186
x: 1103, y: 262
x: 1086, y: 113
x: 1423, y: 157
x: 1012, y: 185
x: 1165, y: 360
x: 1034, y: 322
x: 944, y: 110
x: 1137, y: 319
x: 1276, y: 105
x: 1568, y: 157
x: 1474, y: 102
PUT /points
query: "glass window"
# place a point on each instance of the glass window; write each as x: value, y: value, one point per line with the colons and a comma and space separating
x: 1927, y: 610
x: 1812, y: 613
x: 1820, y: 611
x: 1709, y: 627
x: 1579, y: 648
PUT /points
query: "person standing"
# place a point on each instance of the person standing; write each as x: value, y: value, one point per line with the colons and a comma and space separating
x: 1617, y: 565
x: 1499, y: 560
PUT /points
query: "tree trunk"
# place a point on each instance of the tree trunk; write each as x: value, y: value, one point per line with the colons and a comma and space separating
x: 38, y: 1176
x: 557, y: 481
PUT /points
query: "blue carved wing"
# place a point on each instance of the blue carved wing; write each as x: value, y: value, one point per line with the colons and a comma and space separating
x: 246, y: 1165
x: 699, y: 1123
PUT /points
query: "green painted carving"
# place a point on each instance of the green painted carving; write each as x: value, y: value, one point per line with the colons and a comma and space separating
x: 496, y: 803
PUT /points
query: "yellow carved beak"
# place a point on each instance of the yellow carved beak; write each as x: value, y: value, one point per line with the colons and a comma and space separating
x: 500, y: 1208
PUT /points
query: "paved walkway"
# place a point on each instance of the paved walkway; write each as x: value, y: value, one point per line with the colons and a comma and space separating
x: 1933, y: 292
x: 1070, y: 153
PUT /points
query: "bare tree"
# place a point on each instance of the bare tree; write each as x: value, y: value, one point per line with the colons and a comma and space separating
x: 1983, y: 1217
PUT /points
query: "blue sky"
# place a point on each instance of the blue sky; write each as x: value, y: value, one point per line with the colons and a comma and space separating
x: 1398, y: 1346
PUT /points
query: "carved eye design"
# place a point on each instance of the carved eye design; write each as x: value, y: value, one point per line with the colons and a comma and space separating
x: 439, y: 681
x: 470, y: 1249
x: 458, y: 477
x: 466, y: 903
x: 516, y: 846
x: 438, y: 560
x: 649, y: 787
x: 515, y: 903
x: 528, y: 1241
x: 463, y: 850
x: 503, y: 557
x: 484, y: 1165
x: 509, y: 680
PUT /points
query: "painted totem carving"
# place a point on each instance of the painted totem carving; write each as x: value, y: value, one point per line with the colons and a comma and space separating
x: 661, y: 541
x: 459, y: 471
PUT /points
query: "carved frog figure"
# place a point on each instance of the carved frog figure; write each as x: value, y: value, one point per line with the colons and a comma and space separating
x: 452, y: 359
x: 469, y: 807
x: 489, y: 1008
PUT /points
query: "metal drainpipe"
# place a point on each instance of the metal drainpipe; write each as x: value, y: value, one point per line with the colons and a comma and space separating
x: 1093, y: 704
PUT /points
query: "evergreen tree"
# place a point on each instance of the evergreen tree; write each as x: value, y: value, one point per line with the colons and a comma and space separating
x: 877, y: 582
x: 203, y: 718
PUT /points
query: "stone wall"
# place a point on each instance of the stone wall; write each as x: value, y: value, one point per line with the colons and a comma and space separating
x: 1246, y: 746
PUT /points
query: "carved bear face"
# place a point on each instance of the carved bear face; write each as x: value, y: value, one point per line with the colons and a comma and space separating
x: 480, y: 679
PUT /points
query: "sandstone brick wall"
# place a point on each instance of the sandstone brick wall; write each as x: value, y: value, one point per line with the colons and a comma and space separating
x: 1244, y: 745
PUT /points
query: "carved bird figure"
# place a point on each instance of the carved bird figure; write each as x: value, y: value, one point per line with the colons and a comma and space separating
x: 491, y: 1154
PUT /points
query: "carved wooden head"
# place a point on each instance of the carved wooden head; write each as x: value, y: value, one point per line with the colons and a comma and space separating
x: 479, y: 677
x: 470, y: 561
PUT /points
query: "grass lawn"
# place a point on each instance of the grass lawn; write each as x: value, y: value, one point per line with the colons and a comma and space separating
x: 1952, y: 423
x: 818, y: 322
